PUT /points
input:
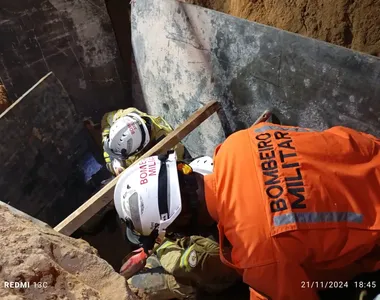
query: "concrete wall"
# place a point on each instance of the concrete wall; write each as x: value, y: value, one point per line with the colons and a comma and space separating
x: 47, y: 155
x: 188, y: 55
x: 72, y: 38
x: 43, y: 150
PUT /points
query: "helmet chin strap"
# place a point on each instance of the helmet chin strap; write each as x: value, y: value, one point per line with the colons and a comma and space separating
x: 124, y: 153
x: 147, y: 242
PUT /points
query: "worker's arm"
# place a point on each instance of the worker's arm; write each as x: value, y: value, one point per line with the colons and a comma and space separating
x: 279, y: 281
x: 105, y: 124
x: 195, y: 261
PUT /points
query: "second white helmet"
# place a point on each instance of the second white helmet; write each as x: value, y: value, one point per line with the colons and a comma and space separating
x: 203, y: 165
x: 128, y: 135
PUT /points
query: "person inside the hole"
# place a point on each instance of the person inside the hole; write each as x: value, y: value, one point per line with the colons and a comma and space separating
x: 299, y: 208
x: 128, y: 133
x: 187, y: 264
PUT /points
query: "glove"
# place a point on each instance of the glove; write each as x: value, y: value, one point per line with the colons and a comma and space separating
x: 133, y: 263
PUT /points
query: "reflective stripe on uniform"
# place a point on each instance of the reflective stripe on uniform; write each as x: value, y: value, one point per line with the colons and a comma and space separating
x: 106, y: 157
x: 274, y: 127
x: 105, y: 134
x: 317, y: 217
x: 184, y: 263
x: 160, y: 249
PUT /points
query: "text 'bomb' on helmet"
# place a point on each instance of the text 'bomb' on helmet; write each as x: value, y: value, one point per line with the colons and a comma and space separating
x: 148, y: 194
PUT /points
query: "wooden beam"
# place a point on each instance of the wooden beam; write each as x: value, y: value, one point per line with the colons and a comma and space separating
x: 263, y: 117
x: 105, y: 195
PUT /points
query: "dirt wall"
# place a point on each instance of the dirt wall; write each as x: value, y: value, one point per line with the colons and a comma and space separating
x: 53, y: 266
x: 350, y: 23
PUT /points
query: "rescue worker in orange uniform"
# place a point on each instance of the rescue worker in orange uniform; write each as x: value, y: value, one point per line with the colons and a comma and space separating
x: 300, y: 208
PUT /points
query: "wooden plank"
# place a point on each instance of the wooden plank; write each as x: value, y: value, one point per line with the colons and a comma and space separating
x: 105, y: 195
x: 263, y: 117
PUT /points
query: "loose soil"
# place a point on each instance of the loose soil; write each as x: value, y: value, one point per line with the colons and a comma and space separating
x: 70, y: 268
x: 353, y: 24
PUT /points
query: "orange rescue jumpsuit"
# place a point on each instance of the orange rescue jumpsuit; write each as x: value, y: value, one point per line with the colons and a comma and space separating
x: 300, y: 208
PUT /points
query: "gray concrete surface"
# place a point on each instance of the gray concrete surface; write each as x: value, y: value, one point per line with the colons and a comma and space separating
x: 75, y: 40
x: 187, y: 56
x: 43, y: 145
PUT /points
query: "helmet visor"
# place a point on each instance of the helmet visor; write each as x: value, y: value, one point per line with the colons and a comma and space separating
x: 134, y: 211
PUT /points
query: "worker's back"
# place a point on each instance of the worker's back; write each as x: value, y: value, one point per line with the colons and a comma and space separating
x: 297, y: 206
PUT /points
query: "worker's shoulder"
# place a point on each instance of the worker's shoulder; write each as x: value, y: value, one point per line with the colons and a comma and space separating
x: 129, y: 110
x: 246, y: 134
x: 236, y: 139
x: 240, y: 133
x: 235, y: 147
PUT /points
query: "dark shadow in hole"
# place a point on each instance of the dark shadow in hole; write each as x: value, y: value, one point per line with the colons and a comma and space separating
x: 119, y: 13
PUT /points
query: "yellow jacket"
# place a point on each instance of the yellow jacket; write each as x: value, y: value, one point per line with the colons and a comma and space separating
x: 159, y: 129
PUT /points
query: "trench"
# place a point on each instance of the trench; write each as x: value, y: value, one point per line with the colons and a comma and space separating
x: 103, y: 231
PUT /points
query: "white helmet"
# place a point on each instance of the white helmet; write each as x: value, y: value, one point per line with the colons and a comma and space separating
x: 142, y: 200
x: 148, y: 196
x: 130, y: 133
x: 203, y: 165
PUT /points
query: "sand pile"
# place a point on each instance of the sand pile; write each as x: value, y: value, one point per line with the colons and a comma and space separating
x: 350, y: 23
x: 54, y: 265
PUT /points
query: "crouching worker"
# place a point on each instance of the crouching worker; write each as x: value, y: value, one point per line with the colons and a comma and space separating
x: 297, y: 206
x: 179, y: 266
x: 128, y: 133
